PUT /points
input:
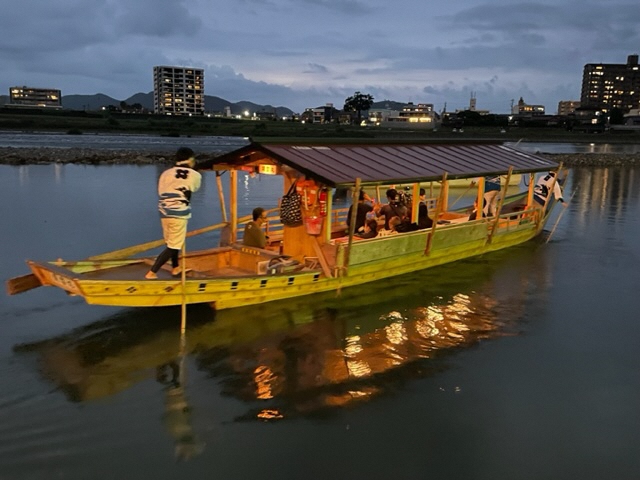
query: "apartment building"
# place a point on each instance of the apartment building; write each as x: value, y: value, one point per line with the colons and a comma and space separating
x: 566, y: 107
x: 178, y: 90
x: 611, y: 85
x: 35, y: 97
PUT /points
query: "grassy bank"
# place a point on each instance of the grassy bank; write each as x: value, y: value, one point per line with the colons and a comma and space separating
x: 77, y: 123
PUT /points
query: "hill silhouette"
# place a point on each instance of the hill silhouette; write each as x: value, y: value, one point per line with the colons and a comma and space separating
x: 211, y: 103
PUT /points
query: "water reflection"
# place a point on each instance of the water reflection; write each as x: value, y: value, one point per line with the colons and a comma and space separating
x: 564, y: 147
x: 177, y: 415
x: 305, y: 357
x: 603, y: 193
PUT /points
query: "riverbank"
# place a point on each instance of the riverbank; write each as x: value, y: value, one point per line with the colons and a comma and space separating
x: 87, y: 156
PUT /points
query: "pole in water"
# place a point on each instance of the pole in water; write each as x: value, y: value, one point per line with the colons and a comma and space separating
x: 560, y: 216
x: 183, y: 275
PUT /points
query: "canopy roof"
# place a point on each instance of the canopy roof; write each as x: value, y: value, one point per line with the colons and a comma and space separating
x: 340, y: 165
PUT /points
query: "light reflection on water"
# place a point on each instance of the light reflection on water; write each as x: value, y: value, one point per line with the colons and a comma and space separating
x: 553, y: 327
x: 567, y: 148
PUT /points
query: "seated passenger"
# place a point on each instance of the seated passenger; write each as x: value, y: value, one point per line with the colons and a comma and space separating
x: 406, y: 225
x: 474, y: 213
x: 363, y: 207
x: 370, y: 229
x: 424, y: 220
x: 392, y: 208
x: 254, y: 236
x: 393, y: 227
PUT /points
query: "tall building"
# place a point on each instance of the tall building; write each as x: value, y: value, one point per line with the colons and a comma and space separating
x: 35, y: 97
x: 611, y: 85
x: 178, y: 90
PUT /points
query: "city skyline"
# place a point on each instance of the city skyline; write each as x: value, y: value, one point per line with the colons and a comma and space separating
x: 304, y: 54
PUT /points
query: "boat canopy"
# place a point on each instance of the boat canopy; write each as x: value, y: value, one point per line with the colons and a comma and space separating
x: 379, y: 164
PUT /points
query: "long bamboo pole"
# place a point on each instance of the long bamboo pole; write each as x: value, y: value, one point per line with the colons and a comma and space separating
x: 559, y: 217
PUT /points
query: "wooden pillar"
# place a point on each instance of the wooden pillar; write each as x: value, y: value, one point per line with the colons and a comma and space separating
x: 223, y: 208
x: 480, y: 198
x: 233, y: 198
x: 328, y: 220
x: 415, y: 202
x: 444, y: 197
x: 432, y: 232
x: 352, y: 220
x: 532, y: 183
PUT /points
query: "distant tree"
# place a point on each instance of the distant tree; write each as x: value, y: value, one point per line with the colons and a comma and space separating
x: 358, y: 102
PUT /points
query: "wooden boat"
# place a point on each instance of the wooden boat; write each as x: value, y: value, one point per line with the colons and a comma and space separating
x: 321, y: 254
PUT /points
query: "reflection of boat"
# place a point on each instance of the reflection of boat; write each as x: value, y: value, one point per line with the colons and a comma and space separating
x: 307, y: 258
x: 295, y: 357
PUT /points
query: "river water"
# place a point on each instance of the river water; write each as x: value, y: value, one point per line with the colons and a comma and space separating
x: 207, y: 144
x: 523, y: 364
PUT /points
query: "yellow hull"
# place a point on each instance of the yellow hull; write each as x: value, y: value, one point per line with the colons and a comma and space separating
x: 123, y: 284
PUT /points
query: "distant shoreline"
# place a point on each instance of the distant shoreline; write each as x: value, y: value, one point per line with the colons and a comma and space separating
x: 88, y: 156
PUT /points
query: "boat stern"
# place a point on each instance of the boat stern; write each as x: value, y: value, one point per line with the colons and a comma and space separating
x: 51, y: 275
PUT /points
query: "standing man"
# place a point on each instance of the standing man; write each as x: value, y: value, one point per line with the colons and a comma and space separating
x: 175, y: 187
x: 254, y: 236
x: 491, y: 191
x: 543, y: 186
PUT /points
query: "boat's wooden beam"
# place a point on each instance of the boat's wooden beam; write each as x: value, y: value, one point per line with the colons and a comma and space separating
x: 445, y: 194
x: 532, y: 181
x: 23, y: 283
x: 480, y: 198
x: 223, y: 208
x: 494, y: 225
x: 415, y: 202
x: 321, y: 258
x: 439, y: 210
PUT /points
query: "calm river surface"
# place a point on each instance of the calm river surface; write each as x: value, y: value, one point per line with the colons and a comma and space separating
x: 524, y: 364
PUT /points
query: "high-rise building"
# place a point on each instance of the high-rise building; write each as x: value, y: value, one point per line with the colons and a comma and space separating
x: 611, y: 85
x: 178, y: 90
x: 35, y: 97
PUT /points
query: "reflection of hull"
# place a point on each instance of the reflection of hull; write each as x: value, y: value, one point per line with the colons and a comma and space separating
x: 298, y: 355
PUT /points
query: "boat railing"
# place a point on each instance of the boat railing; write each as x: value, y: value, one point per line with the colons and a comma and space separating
x: 458, y: 231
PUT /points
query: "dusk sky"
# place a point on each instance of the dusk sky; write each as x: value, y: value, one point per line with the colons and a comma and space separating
x: 306, y: 53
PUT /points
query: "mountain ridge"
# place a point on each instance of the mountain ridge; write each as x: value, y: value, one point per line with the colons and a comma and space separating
x: 212, y: 103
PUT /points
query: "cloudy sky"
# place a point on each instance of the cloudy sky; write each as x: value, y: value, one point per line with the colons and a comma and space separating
x: 305, y: 53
